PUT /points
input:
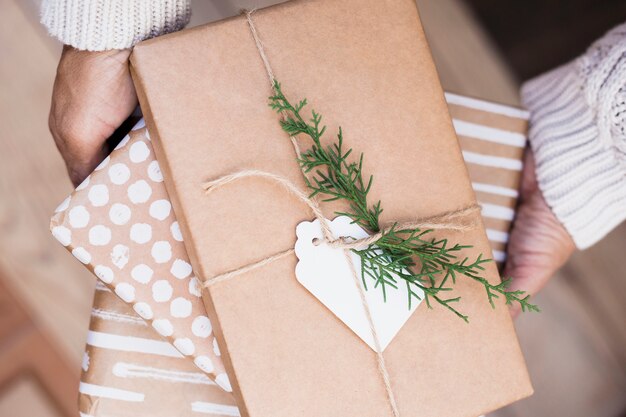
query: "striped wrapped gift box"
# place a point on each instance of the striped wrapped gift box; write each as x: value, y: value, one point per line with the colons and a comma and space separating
x: 492, y: 138
x: 130, y: 370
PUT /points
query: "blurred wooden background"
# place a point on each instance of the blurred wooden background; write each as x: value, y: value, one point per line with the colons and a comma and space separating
x: 576, y: 349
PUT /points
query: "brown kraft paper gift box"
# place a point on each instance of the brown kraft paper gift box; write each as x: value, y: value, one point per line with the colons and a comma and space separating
x: 365, y: 65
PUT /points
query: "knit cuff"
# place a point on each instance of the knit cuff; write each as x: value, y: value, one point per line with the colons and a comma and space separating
x: 98, y: 25
x: 578, y: 148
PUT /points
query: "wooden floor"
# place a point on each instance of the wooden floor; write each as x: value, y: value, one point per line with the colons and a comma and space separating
x: 576, y: 349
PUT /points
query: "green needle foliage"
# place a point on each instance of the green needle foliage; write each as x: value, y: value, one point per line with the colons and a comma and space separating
x: 399, y: 254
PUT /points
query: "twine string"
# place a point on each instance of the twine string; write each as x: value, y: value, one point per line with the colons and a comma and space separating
x: 445, y: 221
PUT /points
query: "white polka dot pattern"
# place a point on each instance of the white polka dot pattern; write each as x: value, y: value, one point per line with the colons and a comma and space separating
x: 223, y: 381
x: 160, y: 209
x: 185, y: 346
x: 181, y: 269
x: 125, y: 291
x: 104, y: 273
x: 161, y: 251
x: 64, y: 205
x: 140, y: 233
x: 216, y: 348
x: 99, y: 235
x: 83, y: 184
x: 162, y: 291
x: 98, y: 195
x: 119, y: 214
x: 201, y: 327
x: 121, y: 224
x: 163, y: 327
x: 175, y: 229
x: 144, y: 310
x: 154, y: 172
x: 139, y: 152
x: 62, y: 234
x: 205, y: 363
x: 119, y: 174
x: 120, y: 255
x: 142, y: 273
x: 139, y: 192
x: 82, y: 255
x: 123, y: 142
x: 79, y: 217
x: 180, y: 307
x: 103, y: 164
x: 194, y: 287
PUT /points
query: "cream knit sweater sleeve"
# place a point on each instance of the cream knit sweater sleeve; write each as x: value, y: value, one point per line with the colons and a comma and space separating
x: 98, y: 25
x: 578, y: 137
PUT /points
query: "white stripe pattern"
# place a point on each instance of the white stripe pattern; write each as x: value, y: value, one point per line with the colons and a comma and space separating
x: 131, y: 370
x: 487, y: 106
x: 492, y: 161
x: 118, y: 317
x: 490, y: 134
x: 131, y: 344
x: 497, y: 236
x: 494, y: 211
x: 499, y: 256
x: 215, y: 409
x: 495, y: 189
x: 109, y: 392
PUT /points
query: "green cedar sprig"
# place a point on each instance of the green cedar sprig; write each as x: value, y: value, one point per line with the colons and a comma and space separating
x: 390, y: 261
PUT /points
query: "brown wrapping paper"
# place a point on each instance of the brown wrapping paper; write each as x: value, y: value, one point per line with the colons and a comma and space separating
x: 480, y: 123
x: 128, y: 371
x: 285, y: 353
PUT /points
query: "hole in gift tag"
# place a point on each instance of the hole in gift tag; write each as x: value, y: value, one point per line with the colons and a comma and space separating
x: 324, y: 271
x: 343, y: 239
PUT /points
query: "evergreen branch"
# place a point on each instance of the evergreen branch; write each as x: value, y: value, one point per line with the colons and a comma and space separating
x: 330, y: 174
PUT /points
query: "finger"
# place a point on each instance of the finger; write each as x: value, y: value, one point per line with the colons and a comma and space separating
x: 538, y: 247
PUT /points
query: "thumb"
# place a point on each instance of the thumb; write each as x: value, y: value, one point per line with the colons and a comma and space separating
x: 538, y: 247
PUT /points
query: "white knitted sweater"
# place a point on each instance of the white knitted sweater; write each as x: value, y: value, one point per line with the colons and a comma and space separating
x: 578, y: 111
x: 97, y: 25
x: 578, y: 137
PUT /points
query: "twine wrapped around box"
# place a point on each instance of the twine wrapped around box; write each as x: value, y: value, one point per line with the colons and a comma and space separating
x: 445, y: 221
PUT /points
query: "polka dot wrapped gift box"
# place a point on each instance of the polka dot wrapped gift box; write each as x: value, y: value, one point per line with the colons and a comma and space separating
x: 119, y: 223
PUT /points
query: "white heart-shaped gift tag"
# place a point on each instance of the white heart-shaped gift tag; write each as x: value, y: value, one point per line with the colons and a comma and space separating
x: 325, y: 272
